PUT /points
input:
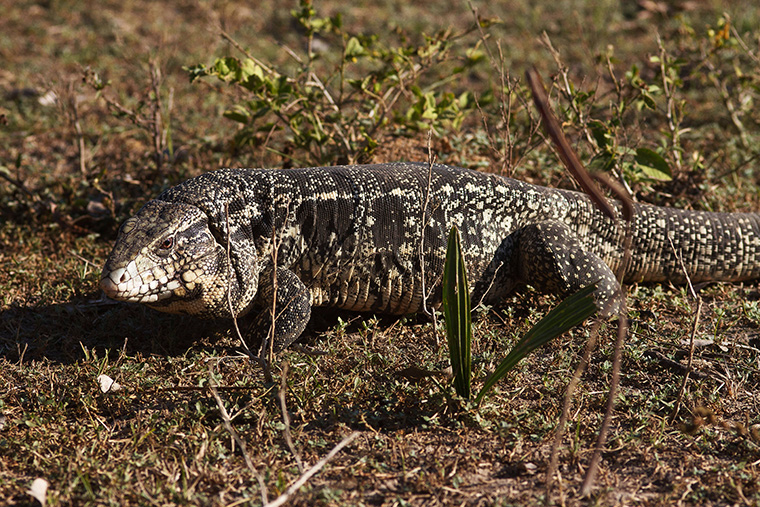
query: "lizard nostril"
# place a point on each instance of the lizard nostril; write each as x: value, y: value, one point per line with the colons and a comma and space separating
x: 124, y: 276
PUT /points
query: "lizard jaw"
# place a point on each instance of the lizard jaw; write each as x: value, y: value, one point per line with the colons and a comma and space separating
x: 127, y: 284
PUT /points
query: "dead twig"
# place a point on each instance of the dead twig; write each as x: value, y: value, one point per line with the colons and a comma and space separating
x: 593, y: 466
x: 564, y: 150
x: 559, y: 432
x: 244, y: 51
x: 282, y: 499
x: 264, y: 364
x: 573, y: 164
x: 269, y: 345
x: 425, y: 204
x: 158, y: 121
x: 236, y: 437
x: 20, y: 186
x: 694, y: 327
x: 507, y: 93
x: 286, y: 416
x: 152, y: 123
x: 671, y: 109
x: 677, y: 366
x: 425, y: 218
x: 82, y: 150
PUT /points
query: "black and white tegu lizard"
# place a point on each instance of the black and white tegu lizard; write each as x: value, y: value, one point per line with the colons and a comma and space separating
x: 369, y: 238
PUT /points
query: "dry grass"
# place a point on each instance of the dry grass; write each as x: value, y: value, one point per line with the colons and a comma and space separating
x: 161, y: 440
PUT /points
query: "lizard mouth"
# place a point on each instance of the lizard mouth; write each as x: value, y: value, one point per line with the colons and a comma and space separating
x: 128, y: 284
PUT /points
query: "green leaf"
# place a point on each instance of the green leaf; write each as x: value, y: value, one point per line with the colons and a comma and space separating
x: 653, y: 165
x: 354, y: 49
x: 602, y: 134
x: 475, y: 55
x: 602, y: 162
x: 196, y: 71
x: 569, y: 313
x: 224, y: 68
x: 456, y: 312
x: 249, y: 68
x: 647, y: 100
x: 238, y: 114
x: 487, y: 22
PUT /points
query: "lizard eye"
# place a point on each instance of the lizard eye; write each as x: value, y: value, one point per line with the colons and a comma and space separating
x: 167, y: 243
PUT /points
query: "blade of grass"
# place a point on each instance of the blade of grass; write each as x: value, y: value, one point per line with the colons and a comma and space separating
x: 456, y: 311
x: 569, y: 313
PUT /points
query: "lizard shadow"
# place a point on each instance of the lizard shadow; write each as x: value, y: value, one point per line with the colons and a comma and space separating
x: 61, y: 332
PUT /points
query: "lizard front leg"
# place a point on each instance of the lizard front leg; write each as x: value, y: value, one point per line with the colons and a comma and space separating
x: 291, y: 306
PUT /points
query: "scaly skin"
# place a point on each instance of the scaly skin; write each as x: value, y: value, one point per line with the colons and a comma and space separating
x: 358, y: 238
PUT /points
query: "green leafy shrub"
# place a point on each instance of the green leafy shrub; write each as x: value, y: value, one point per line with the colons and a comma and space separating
x: 335, y: 111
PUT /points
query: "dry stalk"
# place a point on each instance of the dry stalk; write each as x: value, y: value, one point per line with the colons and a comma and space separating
x: 236, y: 437
x: 264, y: 364
x: 157, y: 131
x: 425, y: 204
x: 282, y: 499
x: 286, y: 416
x: 269, y: 345
x: 564, y: 150
x: 78, y: 128
x: 507, y: 96
x: 566, y: 88
x: 693, y: 334
x: 559, y: 432
x: 670, y: 109
x: 593, y: 467
x: 573, y: 164
x: 425, y: 218
x: 153, y: 124
x: 627, y: 215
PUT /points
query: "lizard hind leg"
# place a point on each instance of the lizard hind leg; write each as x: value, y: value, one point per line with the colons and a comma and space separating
x: 549, y: 256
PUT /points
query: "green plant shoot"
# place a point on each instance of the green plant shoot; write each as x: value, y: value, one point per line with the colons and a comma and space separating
x: 456, y: 311
x: 569, y: 313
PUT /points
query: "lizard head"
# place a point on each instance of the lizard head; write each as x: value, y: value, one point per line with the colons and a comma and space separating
x: 167, y: 257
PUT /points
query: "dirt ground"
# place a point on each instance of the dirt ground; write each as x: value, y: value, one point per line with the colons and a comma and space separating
x: 73, y: 167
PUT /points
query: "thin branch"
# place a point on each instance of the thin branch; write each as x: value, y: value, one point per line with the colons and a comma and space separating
x: 238, y: 440
x: 240, y: 48
x: 286, y: 416
x: 158, y: 120
x: 282, y: 499
x: 567, y: 89
x: 565, y: 151
x: 264, y: 364
x: 78, y: 128
x: 559, y: 432
x: 425, y: 295
x: 507, y: 93
x: 20, y: 186
x: 574, y: 165
x: 425, y: 204
x: 269, y: 346
x: 593, y: 467
x: 693, y: 334
x: 670, y: 108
